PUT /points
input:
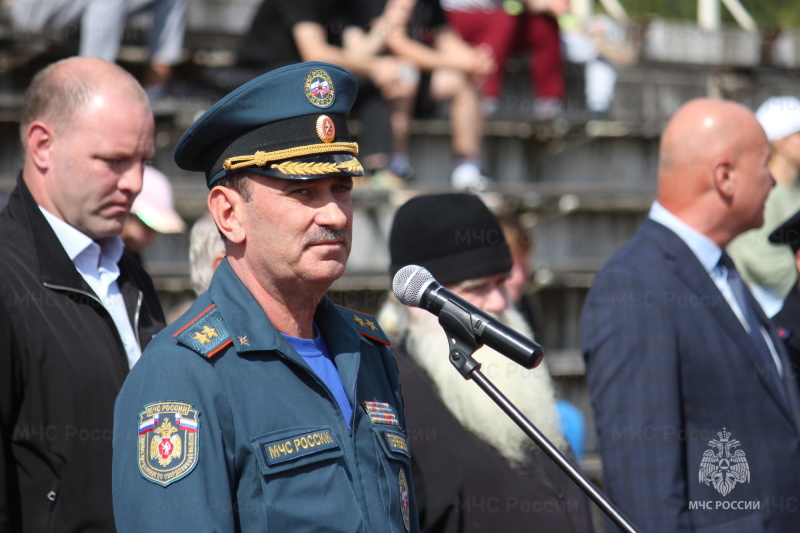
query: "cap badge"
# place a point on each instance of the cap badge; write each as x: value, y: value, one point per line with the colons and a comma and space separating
x: 326, y: 129
x: 319, y: 88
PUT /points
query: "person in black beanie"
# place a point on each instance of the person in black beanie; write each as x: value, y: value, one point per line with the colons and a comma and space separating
x: 473, y: 468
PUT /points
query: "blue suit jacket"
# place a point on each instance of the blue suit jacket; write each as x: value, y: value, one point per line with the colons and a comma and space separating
x: 669, y: 366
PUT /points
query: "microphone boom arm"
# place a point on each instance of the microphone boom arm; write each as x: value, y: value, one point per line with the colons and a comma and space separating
x: 461, y: 339
x: 463, y: 343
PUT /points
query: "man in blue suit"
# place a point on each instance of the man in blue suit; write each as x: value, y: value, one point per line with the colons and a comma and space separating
x: 696, y: 408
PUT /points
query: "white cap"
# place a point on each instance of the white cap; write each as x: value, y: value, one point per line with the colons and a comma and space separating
x: 779, y: 116
x: 154, y: 204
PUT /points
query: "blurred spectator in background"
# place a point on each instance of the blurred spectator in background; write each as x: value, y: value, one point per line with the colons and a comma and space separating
x: 102, y: 26
x: 452, y: 71
x: 768, y: 268
x: 290, y: 31
x: 788, y: 318
x: 152, y: 212
x: 371, y: 41
x: 507, y: 27
x: 520, y: 243
x: 206, y: 250
x: 602, y: 45
x: 474, y: 469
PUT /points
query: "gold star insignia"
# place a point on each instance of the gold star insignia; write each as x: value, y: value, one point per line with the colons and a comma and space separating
x: 209, y: 332
x: 200, y: 337
x: 243, y: 341
x: 370, y: 324
x: 358, y: 320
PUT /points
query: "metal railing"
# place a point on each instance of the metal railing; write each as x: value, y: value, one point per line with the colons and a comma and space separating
x: 709, y: 12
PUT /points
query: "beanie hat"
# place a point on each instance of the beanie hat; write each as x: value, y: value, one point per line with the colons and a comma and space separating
x: 453, y: 235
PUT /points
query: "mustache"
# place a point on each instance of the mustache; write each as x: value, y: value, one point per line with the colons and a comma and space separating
x: 325, y: 234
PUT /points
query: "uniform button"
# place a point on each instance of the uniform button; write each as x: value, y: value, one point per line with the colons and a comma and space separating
x: 51, y: 495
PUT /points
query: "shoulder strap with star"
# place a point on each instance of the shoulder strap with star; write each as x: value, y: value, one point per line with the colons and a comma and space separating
x: 206, y: 334
x: 366, y: 325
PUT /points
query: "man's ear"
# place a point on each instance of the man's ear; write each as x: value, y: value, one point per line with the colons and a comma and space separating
x: 225, y: 206
x: 724, y: 178
x: 39, y: 139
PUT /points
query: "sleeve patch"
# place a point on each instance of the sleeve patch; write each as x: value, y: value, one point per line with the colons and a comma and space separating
x: 168, y: 439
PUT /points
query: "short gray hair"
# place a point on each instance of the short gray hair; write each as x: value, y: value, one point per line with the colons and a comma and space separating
x: 205, y: 242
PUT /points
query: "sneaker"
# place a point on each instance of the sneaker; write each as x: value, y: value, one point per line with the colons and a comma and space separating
x: 468, y: 176
x: 402, y: 169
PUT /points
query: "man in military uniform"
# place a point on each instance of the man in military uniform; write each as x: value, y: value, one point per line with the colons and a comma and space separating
x: 265, y: 407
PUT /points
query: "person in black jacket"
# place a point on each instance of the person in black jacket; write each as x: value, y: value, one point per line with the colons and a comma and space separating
x: 473, y: 468
x: 75, y: 311
x: 788, y: 318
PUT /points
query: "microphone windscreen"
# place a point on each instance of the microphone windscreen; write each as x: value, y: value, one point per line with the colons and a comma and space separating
x: 409, y: 283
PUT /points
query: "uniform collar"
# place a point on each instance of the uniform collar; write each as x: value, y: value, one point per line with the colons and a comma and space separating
x: 251, y: 329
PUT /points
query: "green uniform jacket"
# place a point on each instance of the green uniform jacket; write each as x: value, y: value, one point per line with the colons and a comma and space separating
x: 222, y: 426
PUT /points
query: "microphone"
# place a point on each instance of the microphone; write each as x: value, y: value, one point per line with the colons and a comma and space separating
x: 414, y: 286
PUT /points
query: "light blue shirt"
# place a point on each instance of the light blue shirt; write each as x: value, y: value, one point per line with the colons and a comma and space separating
x: 97, y: 263
x: 709, y: 254
x: 315, y: 352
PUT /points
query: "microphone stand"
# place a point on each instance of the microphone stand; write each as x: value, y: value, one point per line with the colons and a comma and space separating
x: 463, y: 344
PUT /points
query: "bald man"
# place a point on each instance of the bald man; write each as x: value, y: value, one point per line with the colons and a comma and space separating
x: 697, y: 414
x: 75, y: 312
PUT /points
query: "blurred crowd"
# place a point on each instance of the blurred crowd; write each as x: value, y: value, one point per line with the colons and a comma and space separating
x: 689, y: 333
x: 413, y: 58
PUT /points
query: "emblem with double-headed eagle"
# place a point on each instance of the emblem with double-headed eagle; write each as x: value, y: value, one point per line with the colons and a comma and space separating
x: 165, y: 445
x: 724, y: 469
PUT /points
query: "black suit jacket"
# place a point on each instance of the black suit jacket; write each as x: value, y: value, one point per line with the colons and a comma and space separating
x: 788, y: 323
x: 671, y: 370
x: 62, y: 364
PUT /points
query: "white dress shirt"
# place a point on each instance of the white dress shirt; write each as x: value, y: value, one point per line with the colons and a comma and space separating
x: 709, y: 254
x: 97, y: 262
